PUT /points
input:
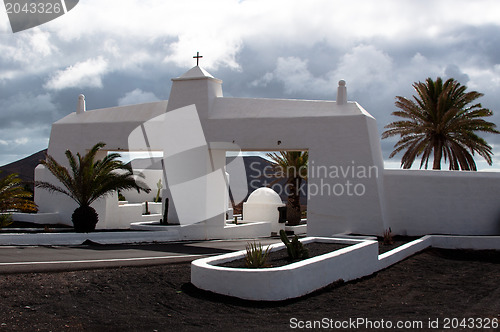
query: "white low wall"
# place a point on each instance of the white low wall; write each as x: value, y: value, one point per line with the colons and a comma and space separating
x: 112, y: 215
x: 422, y: 202
x: 245, y: 231
x: 78, y: 238
x: 466, y: 242
x: 154, y: 208
x: 151, y: 180
x: 297, y: 230
x: 293, y: 280
x: 392, y: 257
x: 36, y: 218
x: 202, y: 231
x: 297, y: 279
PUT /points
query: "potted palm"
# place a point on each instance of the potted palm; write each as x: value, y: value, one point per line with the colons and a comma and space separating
x: 87, y: 180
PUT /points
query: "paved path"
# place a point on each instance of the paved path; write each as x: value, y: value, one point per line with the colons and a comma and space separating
x: 66, y: 258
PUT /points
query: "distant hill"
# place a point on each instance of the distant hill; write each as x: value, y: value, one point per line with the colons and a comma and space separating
x: 24, y: 167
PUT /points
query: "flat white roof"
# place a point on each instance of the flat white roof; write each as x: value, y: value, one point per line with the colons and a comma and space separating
x: 129, y: 113
x: 230, y: 108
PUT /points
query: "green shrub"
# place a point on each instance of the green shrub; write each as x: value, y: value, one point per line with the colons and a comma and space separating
x: 295, y: 248
x: 256, y: 256
x: 388, y: 237
x: 5, y: 220
x: 121, y: 198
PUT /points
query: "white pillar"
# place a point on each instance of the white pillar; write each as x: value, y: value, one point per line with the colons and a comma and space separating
x: 80, y: 108
x: 341, y: 93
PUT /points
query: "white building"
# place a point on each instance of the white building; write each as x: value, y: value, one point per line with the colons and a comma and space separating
x: 349, y: 189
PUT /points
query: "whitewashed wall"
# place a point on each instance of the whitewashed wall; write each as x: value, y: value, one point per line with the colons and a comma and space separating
x: 337, y: 136
x: 151, y: 179
x: 442, y: 202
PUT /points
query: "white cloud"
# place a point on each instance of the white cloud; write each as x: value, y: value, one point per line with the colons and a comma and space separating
x: 291, y: 48
x: 83, y: 74
x: 294, y: 74
x: 180, y: 28
x: 485, y: 78
x: 28, y: 141
x: 263, y: 81
x: 21, y: 140
x: 216, y: 51
x: 362, y: 67
x: 26, y: 108
x: 33, y: 45
x: 26, y: 101
x: 26, y: 54
x: 137, y: 96
x: 41, y: 44
x: 365, y: 66
x: 4, y: 22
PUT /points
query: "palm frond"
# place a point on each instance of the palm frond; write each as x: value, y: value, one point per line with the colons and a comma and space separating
x: 442, y: 116
x: 13, y: 196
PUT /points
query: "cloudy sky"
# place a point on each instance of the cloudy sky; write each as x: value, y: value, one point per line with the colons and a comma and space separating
x: 119, y: 52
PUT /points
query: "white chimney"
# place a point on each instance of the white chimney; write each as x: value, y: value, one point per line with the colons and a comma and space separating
x: 80, y: 108
x: 341, y: 93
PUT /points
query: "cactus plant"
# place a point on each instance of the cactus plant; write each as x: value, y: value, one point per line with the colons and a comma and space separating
x: 159, y: 187
x: 295, y: 248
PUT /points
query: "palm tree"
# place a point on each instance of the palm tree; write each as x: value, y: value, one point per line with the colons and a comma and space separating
x: 13, y: 197
x: 291, y: 165
x: 441, y: 121
x: 88, y: 180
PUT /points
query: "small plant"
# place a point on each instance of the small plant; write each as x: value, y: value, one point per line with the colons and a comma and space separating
x: 121, y: 198
x: 5, y: 220
x: 256, y: 256
x: 295, y: 248
x: 159, y: 186
x: 388, y: 237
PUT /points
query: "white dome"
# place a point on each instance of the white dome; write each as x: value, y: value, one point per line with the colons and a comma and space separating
x: 264, y: 195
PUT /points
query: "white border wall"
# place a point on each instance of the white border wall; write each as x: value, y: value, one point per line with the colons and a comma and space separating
x: 290, y: 281
x: 442, y: 202
x: 303, y: 277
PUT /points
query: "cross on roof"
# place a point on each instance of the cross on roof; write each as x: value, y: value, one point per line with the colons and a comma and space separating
x: 197, y: 57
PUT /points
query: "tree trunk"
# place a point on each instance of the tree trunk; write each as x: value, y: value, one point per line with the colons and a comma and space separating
x: 438, y: 152
x: 293, y: 204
